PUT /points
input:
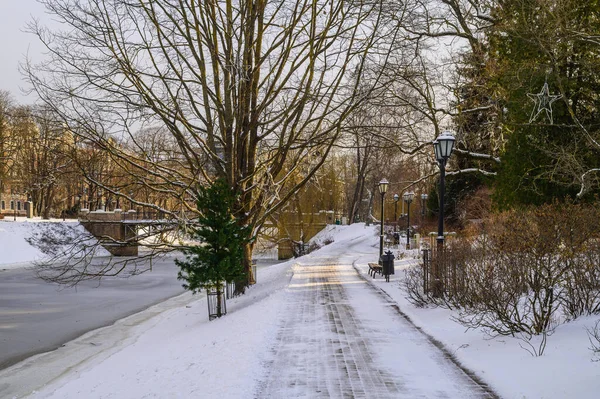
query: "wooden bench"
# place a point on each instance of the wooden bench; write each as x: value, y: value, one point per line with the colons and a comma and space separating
x: 375, y: 268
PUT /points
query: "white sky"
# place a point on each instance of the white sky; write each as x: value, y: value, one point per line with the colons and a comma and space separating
x: 15, y: 44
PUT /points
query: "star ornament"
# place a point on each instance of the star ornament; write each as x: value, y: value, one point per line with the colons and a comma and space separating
x: 543, y: 102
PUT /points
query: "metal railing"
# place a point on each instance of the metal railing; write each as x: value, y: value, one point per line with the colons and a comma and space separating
x: 443, y: 273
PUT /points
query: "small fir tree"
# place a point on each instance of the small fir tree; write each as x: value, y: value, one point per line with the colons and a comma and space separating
x: 218, y: 256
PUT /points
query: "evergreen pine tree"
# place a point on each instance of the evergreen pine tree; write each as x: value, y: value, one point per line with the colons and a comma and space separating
x: 221, y: 239
x: 537, y: 42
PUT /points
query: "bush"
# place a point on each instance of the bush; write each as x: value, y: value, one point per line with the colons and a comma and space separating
x: 523, y: 271
x: 594, y: 337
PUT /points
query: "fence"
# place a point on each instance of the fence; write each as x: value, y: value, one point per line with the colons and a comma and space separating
x: 443, y: 272
x: 217, y: 306
x: 157, y: 215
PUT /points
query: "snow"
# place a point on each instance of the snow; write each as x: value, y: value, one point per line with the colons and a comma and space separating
x: 181, y: 352
x: 566, y: 370
x: 172, y: 350
x: 333, y: 232
x: 15, y: 236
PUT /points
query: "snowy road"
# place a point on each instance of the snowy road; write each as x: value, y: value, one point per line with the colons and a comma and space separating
x: 341, y: 338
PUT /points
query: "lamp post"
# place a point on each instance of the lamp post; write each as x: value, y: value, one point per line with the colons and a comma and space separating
x: 13, y: 203
x: 396, y: 198
x: 408, y: 198
x: 383, y: 186
x: 423, y: 203
x: 99, y: 205
x: 29, y: 208
x: 442, y: 147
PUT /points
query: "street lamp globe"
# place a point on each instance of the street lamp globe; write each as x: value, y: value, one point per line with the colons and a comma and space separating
x: 409, y: 196
x: 383, y: 186
x: 443, y: 146
x: 424, y: 197
x: 396, y: 197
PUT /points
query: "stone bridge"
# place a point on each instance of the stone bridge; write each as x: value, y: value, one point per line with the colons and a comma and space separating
x: 117, y: 231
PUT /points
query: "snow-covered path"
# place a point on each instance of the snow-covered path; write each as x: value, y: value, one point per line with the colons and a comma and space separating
x: 340, y: 338
x: 311, y: 327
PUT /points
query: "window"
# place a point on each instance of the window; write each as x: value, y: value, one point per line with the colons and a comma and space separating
x: 12, y: 204
x: 18, y: 205
x: 3, y: 204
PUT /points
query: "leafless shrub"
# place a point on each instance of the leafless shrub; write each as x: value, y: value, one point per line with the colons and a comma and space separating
x: 418, y: 280
x: 594, y: 337
x: 520, y: 272
x: 413, y: 286
x: 74, y: 255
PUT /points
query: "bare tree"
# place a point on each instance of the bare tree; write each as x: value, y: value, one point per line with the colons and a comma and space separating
x: 424, y: 92
x: 15, y: 122
x: 6, y: 144
x: 41, y: 164
x: 443, y: 83
x: 248, y: 90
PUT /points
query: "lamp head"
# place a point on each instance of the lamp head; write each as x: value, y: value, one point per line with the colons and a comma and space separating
x: 383, y: 186
x: 444, y: 145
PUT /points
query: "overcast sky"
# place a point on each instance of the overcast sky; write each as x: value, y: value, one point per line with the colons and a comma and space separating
x: 15, y: 43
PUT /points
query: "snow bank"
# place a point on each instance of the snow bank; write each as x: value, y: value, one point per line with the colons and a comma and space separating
x: 179, y: 353
x: 339, y: 234
x: 566, y: 370
x: 25, y: 241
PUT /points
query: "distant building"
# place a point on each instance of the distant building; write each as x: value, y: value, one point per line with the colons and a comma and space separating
x: 12, y: 202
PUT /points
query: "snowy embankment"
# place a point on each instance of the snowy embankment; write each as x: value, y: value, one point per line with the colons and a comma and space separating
x: 174, y: 351
x: 568, y: 368
x: 50, y: 237
x: 169, y: 350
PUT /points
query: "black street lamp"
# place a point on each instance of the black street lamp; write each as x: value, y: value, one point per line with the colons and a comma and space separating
x: 396, y: 198
x: 383, y: 186
x: 408, y: 198
x: 86, y: 198
x: 423, y: 204
x: 99, y: 205
x: 442, y: 146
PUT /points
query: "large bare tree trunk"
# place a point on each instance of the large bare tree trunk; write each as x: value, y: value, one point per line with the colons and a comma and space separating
x: 247, y: 91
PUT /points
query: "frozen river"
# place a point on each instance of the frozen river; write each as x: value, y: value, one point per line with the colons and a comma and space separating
x: 36, y: 316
